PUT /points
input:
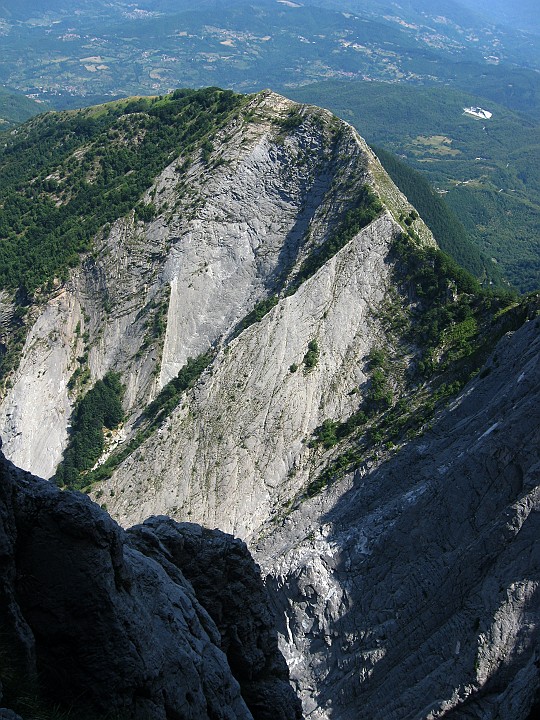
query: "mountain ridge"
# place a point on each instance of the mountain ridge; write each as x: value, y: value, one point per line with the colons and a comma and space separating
x: 150, y: 252
x: 297, y: 361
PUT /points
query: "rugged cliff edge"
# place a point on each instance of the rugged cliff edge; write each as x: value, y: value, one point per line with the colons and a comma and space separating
x: 103, y: 623
x: 411, y: 589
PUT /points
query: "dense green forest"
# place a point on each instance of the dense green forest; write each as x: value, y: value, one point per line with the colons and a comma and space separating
x: 446, y: 227
x: 63, y: 176
x: 486, y: 169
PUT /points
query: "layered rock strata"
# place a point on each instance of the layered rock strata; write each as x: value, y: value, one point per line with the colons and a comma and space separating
x: 235, y: 450
x: 229, y: 232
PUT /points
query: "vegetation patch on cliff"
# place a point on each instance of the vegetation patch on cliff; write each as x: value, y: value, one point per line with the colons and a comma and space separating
x: 154, y: 415
x: 261, y: 309
x: 366, y: 208
x: 169, y: 396
x: 440, y: 327
x: 311, y: 358
x: 99, y: 409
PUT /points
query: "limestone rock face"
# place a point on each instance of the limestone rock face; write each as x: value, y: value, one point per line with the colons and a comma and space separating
x: 236, y: 448
x: 40, y: 389
x: 411, y: 590
x: 108, y: 629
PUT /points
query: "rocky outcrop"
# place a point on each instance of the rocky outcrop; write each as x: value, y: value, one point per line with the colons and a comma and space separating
x: 411, y: 589
x: 236, y: 449
x: 89, y: 621
x: 48, y: 361
x: 228, y: 585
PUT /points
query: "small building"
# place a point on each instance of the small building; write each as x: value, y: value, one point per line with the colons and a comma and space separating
x: 478, y: 112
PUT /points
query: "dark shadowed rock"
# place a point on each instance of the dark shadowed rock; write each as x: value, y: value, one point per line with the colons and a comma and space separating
x: 228, y: 585
x: 104, y: 627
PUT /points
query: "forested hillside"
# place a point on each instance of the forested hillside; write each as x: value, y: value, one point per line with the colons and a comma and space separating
x: 446, y: 227
x: 64, y: 176
x: 16, y: 108
x: 486, y: 170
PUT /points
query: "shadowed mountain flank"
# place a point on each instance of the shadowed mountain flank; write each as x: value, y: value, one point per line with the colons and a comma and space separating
x: 411, y: 588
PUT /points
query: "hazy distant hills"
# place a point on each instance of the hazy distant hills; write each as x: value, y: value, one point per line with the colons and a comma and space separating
x: 79, y: 53
x: 520, y: 15
x: 486, y: 170
x: 46, y: 7
x: 29, y: 8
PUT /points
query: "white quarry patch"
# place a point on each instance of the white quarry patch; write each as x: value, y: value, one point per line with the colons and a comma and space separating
x: 478, y: 112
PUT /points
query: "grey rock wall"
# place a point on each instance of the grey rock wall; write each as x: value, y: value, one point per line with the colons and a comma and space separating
x: 226, y: 235
x: 409, y: 591
x: 412, y: 590
x: 228, y: 585
x: 35, y: 413
x: 236, y: 449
